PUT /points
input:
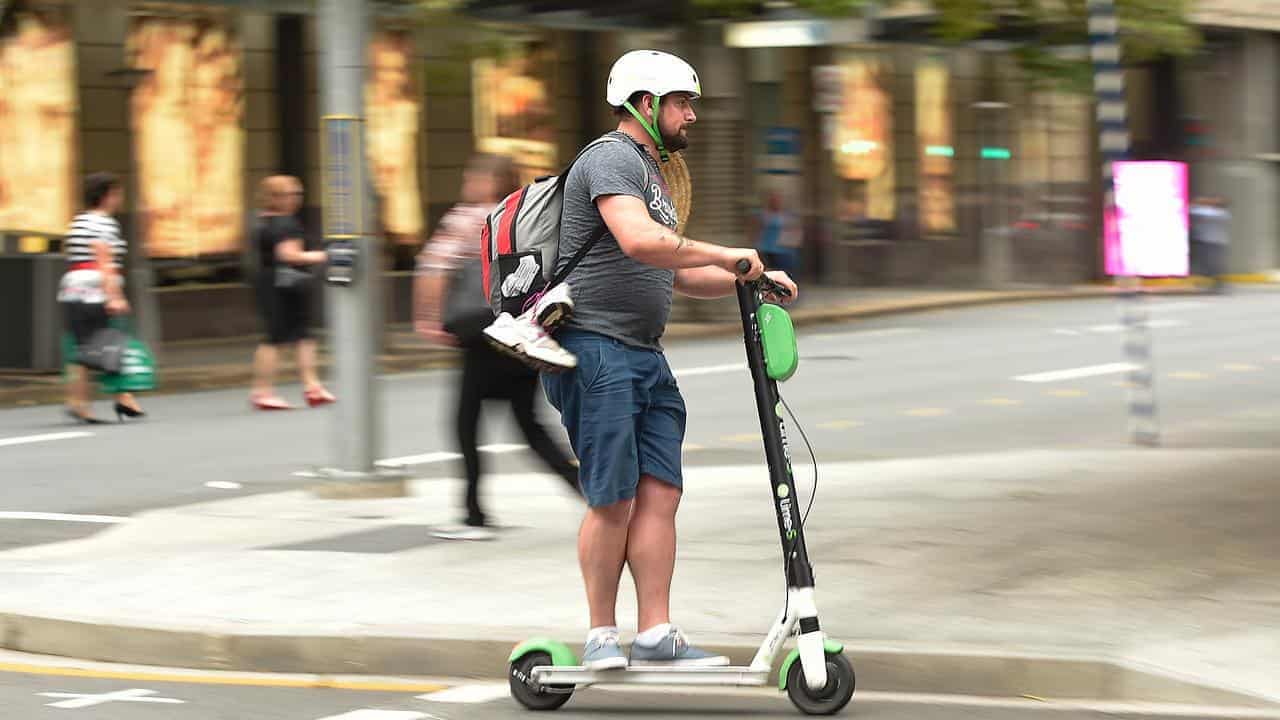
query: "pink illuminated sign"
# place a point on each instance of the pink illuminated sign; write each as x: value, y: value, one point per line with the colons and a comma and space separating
x: 1145, y: 235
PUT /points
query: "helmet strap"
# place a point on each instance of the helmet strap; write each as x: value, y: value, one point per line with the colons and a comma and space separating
x: 650, y: 127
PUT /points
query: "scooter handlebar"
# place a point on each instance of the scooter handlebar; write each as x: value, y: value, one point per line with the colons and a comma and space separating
x: 769, y: 284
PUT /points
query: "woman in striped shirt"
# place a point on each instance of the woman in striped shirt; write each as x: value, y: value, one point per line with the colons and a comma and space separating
x: 92, y: 289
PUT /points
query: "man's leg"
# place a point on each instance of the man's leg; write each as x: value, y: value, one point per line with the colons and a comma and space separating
x: 602, y: 548
x: 651, y: 549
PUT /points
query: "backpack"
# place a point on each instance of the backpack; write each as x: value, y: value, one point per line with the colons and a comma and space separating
x: 521, y: 240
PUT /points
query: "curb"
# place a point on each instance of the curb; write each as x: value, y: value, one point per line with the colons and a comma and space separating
x: 44, y: 390
x: 1006, y: 675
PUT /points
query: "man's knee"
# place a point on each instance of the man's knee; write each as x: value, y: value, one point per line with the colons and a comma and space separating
x: 657, y: 495
x: 616, y: 514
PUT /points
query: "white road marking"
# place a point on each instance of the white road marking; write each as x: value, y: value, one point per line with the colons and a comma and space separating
x: 1112, y: 328
x: 710, y: 370
x: 379, y: 715
x: 479, y: 693
x: 84, y: 700
x: 62, y: 517
x: 223, y: 485
x: 442, y: 456
x: 48, y: 437
x: 1076, y: 373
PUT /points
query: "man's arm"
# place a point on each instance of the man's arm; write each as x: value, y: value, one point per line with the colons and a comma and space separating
x: 652, y: 243
x: 707, y: 283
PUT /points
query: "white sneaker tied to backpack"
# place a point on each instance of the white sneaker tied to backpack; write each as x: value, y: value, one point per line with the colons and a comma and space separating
x: 527, y: 338
x: 519, y: 245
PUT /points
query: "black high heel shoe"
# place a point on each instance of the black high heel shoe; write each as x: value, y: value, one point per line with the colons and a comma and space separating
x: 124, y: 411
x: 86, y: 419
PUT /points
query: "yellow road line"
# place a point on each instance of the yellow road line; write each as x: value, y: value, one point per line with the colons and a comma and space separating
x: 741, y: 437
x: 1188, y: 375
x: 1066, y: 393
x: 928, y: 412
x: 308, y: 682
x: 1240, y: 367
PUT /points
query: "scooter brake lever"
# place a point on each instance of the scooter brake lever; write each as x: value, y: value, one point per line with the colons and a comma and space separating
x: 769, y: 284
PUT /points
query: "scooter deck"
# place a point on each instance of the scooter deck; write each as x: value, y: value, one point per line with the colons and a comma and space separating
x: 652, y: 675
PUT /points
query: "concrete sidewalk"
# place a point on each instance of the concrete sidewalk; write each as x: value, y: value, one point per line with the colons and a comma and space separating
x: 207, y: 365
x: 1110, y: 573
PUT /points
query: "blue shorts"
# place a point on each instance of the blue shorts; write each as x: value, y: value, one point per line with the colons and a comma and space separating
x: 624, y: 414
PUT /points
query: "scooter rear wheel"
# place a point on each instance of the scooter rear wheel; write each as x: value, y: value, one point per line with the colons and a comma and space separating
x: 826, y: 700
x: 531, y: 694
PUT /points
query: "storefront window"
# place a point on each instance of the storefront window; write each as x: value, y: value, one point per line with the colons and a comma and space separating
x: 393, y: 112
x: 188, y: 135
x: 37, y: 124
x: 936, y: 147
x: 863, y: 143
x: 513, y: 112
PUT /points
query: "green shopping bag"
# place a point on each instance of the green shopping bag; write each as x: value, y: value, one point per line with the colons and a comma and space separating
x: 137, y: 365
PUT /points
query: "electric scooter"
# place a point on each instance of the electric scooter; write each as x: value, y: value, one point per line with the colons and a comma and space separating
x: 816, y: 675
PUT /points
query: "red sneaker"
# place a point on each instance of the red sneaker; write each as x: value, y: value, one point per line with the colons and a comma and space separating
x: 318, y: 396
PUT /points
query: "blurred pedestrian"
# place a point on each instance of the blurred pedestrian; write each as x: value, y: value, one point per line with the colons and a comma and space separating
x: 1210, y: 235
x: 284, y: 286
x: 777, y: 234
x: 92, y: 289
x: 451, y: 308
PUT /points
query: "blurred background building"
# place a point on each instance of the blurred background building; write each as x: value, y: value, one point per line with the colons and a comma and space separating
x: 899, y: 156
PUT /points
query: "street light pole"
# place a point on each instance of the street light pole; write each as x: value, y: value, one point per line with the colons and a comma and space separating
x: 351, y: 293
x: 994, y: 241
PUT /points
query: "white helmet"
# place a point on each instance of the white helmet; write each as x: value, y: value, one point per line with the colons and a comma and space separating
x: 650, y: 71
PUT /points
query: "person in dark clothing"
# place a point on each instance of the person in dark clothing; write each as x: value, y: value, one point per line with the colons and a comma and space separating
x: 486, y: 373
x: 283, y: 288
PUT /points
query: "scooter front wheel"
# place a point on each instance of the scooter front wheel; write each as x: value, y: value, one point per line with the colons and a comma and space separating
x: 825, y: 700
x: 530, y: 693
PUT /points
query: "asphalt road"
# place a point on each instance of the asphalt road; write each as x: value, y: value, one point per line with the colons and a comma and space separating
x: 910, y: 385
x: 33, y: 696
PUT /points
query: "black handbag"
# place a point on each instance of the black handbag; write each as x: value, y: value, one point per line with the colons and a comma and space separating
x: 466, y: 307
x: 104, y: 350
x: 288, y: 277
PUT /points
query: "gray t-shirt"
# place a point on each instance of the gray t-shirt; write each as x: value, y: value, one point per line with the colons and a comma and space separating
x: 613, y: 294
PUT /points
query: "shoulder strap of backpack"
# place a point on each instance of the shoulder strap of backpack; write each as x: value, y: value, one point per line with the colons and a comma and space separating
x: 560, y: 276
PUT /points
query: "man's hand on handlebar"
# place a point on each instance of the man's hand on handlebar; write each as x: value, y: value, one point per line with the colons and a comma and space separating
x: 743, y: 262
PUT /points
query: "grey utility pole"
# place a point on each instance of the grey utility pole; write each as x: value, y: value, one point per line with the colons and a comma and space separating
x: 1108, y: 80
x: 343, y: 34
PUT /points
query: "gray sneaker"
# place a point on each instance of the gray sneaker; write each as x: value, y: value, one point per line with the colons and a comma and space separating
x: 674, y: 649
x: 603, y: 653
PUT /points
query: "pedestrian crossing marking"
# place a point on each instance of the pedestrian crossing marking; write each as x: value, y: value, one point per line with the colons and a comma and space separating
x: 476, y: 693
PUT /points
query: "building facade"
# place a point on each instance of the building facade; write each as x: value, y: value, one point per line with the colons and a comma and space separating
x: 893, y: 160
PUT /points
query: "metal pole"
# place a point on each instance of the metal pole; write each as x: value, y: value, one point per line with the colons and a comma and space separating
x: 343, y: 31
x: 1108, y: 80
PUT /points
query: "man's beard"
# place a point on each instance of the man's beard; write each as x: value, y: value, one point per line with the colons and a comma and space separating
x: 675, y: 143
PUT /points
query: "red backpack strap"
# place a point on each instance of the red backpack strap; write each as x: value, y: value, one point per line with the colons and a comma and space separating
x: 486, y: 258
x: 506, y: 231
